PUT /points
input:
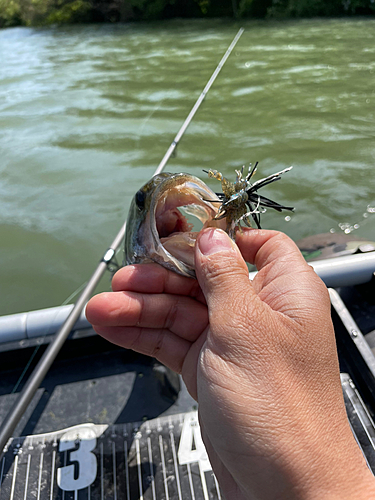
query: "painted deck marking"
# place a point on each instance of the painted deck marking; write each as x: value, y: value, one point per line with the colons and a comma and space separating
x: 175, y: 452
x: 53, y: 467
x: 171, y: 437
x: 40, y: 474
x: 76, y: 491
x: 27, y: 477
x: 163, y: 467
x: 139, y: 468
x: 204, y: 484
x: 79, y: 443
x: 53, y: 473
x: 190, y: 482
x: 126, y: 470
x: 217, y: 487
x: 2, y: 472
x: 114, y: 470
x: 191, y: 448
x: 101, y: 471
x: 65, y: 461
x: 151, y: 468
x: 14, y: 478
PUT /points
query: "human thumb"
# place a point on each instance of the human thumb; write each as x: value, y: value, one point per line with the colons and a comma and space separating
x: 223, y: 276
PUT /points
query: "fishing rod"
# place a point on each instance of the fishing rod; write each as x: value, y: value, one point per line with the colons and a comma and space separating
x: 11, y: 420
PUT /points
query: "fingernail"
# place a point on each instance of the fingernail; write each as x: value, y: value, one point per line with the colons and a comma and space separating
x: 214, y: 240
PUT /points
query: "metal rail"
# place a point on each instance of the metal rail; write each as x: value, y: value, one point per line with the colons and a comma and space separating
x: 346, y: 270
x: 11, y: 420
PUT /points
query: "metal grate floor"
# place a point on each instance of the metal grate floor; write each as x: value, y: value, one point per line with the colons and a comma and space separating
x: 161, y: 459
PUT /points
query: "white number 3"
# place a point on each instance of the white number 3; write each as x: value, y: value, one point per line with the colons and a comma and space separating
x: 87, y: 464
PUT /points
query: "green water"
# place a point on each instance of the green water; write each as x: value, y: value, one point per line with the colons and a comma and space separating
x: 87, y: 113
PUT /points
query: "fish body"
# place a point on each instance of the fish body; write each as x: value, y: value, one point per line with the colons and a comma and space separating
x: 157, y: 231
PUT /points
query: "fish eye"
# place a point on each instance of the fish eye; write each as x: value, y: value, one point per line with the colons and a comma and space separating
x: 140, y: 198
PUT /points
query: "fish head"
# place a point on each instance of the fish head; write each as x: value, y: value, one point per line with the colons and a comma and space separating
x: 157, y: 231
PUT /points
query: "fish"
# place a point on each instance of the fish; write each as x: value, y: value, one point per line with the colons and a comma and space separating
x: 157, y: 230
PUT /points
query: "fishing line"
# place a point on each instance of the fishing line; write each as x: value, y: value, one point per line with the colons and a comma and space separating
x: 41, y: 339
x: 148, y: 117
x: 64, y: 303
x: 26, y: 368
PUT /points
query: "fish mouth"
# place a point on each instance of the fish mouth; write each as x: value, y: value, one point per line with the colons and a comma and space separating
x: 168, y: 218
x: 174, y: 232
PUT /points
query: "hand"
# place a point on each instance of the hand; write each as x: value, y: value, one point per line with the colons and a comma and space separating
x: 259, y: 357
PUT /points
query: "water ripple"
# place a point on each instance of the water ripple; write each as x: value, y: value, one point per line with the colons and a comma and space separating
x: 87, y: 112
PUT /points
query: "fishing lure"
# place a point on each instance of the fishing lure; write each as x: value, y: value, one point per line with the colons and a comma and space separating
x: 240, y: 199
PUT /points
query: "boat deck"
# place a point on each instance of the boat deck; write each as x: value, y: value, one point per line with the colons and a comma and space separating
x: 108, y: 423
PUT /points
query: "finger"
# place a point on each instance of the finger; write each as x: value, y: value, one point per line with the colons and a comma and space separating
x: 260, y: 247
x: 181, y: 315
x: 152, y: 278
x: 223, y: 276
x: 282, y: 267
x: 220, y: 267
x: 161, y: 343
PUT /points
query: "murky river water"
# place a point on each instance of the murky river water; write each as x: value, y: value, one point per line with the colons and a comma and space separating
x: 87, y: 113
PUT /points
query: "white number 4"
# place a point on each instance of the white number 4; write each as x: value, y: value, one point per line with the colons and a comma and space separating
x: 191, y: 448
